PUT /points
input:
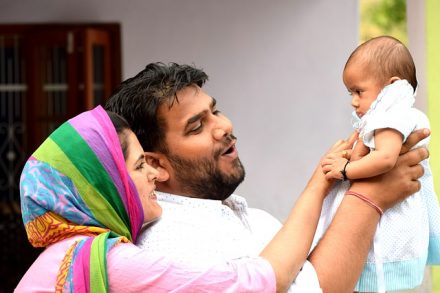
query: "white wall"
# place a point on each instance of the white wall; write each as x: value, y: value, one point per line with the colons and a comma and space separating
x: 415, y: 11
x: 275, y: 68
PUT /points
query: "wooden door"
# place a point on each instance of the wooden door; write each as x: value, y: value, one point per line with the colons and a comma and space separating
x: 48, y: 74
x: 53, y: 91
x: 97, y: 67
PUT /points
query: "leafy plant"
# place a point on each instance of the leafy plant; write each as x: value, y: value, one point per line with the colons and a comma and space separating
x: 383, y: 17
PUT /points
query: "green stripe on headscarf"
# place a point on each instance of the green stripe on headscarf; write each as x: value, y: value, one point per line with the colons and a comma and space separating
x: 82, y: 156
x: 98, y: 264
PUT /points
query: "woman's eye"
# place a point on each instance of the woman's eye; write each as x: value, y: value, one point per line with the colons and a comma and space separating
x: 140, y: 166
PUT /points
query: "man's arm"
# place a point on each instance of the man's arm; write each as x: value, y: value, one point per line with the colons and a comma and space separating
x: 340, y: 255
x: 291, y: 245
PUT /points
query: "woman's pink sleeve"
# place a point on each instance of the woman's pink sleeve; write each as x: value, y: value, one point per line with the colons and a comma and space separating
x: 131, y: 269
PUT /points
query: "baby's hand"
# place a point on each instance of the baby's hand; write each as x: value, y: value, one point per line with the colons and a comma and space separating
x: 341, y: 150
x: 333, y: 164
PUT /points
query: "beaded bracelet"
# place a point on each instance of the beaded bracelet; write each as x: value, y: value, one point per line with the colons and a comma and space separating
x: 367, y: 200
x: 344, y: 172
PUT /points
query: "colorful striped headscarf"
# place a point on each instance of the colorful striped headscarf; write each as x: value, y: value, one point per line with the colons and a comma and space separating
x: 76, y: 183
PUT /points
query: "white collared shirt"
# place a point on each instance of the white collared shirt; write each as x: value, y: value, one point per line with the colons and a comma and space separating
x: 196, y: 231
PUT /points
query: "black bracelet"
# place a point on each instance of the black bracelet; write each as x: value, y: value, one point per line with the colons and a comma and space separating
x: 344, y: 172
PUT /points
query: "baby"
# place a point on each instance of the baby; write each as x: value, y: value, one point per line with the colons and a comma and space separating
x: 380, y: 76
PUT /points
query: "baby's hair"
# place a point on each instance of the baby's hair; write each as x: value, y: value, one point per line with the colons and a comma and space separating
x: 386, y: 57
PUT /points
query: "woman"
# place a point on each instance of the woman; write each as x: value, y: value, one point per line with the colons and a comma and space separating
x: 86, y: 192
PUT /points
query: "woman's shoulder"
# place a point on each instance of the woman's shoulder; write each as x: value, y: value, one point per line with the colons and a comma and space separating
x: 133, y: 269
x: 43, y: 272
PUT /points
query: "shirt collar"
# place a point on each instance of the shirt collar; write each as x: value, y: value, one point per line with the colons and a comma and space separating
x: 234, y: 202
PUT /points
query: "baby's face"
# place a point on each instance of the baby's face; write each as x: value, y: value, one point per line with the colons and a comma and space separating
x: 363, y: 87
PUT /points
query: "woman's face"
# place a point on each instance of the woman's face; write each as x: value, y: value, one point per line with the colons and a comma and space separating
x: 143, y: 176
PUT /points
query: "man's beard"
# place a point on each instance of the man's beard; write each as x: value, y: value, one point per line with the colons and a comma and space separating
x: 201, y: 178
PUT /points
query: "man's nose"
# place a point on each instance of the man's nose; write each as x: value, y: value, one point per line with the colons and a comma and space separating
x: 222, y: 128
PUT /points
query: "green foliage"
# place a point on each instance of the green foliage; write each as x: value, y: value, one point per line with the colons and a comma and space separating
x: 383, y: 17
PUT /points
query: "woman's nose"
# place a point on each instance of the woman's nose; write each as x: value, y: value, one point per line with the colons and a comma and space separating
x: 152, y: 174
x: 152, y: 177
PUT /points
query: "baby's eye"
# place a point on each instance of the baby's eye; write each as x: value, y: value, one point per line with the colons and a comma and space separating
x: 355, y: 92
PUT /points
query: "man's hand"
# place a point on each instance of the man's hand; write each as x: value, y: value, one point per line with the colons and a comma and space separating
x: 360, y: 150
x: 334, y: 160
x: 414, y: 138
x: 344, y: 145
x: 333, y: 164
x: 337, y: 156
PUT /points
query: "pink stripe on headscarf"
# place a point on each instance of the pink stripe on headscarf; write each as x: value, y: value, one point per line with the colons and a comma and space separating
x: 80, y: 282
x: 135, y: 212
x: 82, y: 126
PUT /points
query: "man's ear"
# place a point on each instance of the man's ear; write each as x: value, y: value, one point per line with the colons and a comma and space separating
x: 157, y: 161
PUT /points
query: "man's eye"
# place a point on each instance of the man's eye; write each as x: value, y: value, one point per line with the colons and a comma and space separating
x: 216, y: 112
x: 197, y: 128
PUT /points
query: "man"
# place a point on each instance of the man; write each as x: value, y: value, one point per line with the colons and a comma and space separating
x: 193, y: 147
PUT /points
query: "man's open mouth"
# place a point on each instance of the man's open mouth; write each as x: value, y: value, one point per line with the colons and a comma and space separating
x: 229, y: 150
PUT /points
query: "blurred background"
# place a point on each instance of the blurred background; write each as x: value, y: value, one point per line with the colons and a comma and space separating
x: 274, y: 67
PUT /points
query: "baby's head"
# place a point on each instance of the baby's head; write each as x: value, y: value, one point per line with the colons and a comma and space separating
x: 375, y: 64
x: 385, y: 57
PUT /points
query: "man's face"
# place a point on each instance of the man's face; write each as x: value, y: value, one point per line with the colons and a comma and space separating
x: 201, y: 147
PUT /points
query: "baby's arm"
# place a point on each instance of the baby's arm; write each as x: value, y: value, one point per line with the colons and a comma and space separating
x: 388, y: 144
